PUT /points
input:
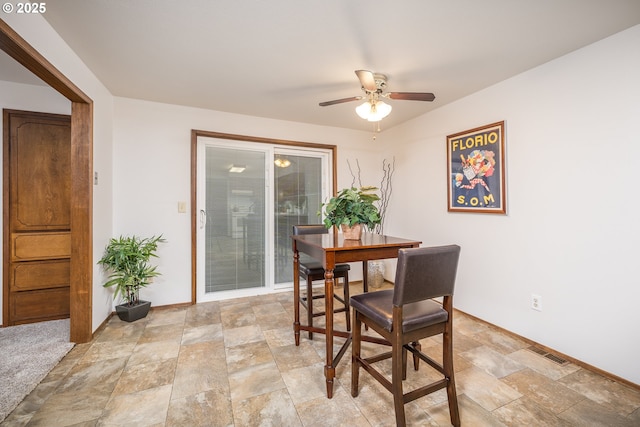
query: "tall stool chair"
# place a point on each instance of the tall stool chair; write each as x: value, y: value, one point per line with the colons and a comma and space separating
x: 312, y: 270
x: 406, y: 314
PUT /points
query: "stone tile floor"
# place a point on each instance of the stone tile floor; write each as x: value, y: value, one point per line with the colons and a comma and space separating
x: 234, y: 363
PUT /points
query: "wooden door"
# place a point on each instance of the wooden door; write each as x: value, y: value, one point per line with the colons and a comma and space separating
x: 36, y: 204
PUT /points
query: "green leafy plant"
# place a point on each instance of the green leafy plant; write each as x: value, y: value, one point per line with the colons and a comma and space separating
x: 352, y: 206
x: 127, y: 258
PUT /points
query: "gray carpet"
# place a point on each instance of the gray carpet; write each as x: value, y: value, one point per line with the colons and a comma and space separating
x: 27, y: 354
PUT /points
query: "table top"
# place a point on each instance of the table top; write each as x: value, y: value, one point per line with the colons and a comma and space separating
x: 334, y: 248
x: 336, y: 242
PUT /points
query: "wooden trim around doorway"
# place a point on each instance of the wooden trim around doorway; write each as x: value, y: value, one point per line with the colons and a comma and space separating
x: 81, y: 292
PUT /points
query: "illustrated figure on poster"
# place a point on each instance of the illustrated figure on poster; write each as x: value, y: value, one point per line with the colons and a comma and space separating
x: 476, y: 168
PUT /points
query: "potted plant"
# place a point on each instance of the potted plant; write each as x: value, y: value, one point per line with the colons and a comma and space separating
x: 127, y: 260
x: 351, y: 209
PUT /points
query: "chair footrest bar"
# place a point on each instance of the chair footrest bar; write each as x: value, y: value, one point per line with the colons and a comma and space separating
x: 304, y: 299
x: 341, y: 334
x: 435, y: 365
x: 342, y: 351
x: 374, y: 373
x: 322, y: 313
x: 423, y: 391
x: 378, y: 357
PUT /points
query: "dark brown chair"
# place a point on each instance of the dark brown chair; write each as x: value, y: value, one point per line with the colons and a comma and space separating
x: 406, y: 314
x: 312, y: 270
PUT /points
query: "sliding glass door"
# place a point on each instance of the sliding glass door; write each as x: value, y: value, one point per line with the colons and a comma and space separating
x: 232, y: 218
x: 249, y: 197
x: 297, y: 200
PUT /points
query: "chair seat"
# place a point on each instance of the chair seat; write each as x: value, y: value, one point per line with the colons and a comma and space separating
x: 378, y: 307
x: 315, y: 268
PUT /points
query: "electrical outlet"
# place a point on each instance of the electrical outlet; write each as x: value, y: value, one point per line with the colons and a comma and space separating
x: 536, y: 302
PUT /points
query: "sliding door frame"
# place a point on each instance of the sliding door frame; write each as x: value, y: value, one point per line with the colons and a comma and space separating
x: 194, y: 181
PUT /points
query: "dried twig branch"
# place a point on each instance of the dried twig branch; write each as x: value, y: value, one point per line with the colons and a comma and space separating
x: 388, y: 168
x: 353, y: 176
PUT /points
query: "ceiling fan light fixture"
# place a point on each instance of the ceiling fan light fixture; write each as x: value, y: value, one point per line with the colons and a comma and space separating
x: 282, y: 163
x: 373, y: 112
x: 379, y: 111
x: 363, y: 110
x: 374, y: 86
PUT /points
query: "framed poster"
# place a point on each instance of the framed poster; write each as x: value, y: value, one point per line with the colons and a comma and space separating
x: 476, y: 171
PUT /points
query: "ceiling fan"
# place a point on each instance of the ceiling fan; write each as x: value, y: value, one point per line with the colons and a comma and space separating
x: 373, y: 85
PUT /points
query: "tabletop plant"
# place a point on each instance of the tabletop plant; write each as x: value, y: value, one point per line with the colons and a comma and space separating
x: 127, y: 260
x: 352, y: 206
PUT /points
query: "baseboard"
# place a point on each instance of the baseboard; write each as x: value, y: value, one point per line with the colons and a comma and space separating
x: 562, y: 355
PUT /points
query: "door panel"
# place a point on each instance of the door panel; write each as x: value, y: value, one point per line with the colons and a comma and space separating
x: 27, y: 276
x: 39, y: 305
x: 298, y: 199
x: 40, y: 174
x: 234, y: 242
x: 37, y: 237
x: 34, y: 246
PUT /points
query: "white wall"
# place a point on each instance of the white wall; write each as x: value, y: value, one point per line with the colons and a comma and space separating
x: 16, y: 96
x: 152, y: 143
x: 571, y: 231
x: 39, y: 34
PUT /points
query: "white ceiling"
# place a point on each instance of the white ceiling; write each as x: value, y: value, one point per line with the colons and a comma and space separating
x: 280, y: 58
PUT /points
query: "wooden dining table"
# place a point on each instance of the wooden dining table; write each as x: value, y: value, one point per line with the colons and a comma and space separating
x: 332, y: 249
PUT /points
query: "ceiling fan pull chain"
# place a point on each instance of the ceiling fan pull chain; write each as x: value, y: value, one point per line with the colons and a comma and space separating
x: 376, y: 129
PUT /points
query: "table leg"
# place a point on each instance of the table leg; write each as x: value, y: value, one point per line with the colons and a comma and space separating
x: 365, y: 271
x: 365, y: 283
x: 296, y: 296
x: 329, y: 369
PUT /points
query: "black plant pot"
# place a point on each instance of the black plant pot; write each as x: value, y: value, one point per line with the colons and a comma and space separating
x: 131, y: 313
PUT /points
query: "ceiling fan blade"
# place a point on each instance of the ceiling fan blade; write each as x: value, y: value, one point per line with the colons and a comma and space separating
x: 412, y: 96
x: 340, y: 101
x: 367, y: 80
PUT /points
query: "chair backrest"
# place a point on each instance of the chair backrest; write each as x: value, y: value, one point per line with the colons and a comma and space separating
x: 425, y: 273
x: 309, y: 229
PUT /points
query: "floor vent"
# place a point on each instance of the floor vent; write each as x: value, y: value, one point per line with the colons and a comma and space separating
x: 550, y: 356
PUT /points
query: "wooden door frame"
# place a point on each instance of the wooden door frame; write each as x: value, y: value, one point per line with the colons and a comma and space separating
x: 81, y: 287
